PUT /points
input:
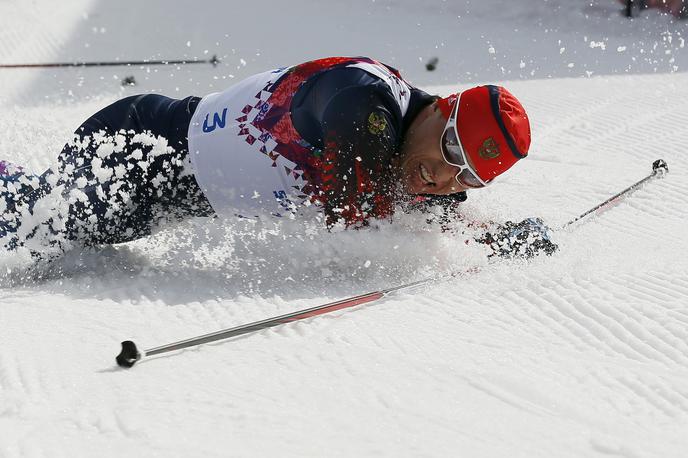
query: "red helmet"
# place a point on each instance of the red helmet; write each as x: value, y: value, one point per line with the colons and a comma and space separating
x: 492, y: 126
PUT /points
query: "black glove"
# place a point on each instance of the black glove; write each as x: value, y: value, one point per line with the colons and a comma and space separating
x: 526, y: 239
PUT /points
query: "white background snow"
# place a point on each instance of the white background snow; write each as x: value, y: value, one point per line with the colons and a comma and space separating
x: 584, y: 354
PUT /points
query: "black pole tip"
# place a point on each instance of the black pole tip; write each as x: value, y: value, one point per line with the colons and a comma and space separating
x: 214, y: 60
x: 660, y: 166
x: 129, y: 354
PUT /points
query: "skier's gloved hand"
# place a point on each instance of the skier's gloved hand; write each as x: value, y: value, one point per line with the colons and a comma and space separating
x: 527, y: 239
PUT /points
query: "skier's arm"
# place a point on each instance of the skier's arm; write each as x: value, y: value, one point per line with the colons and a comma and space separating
x: 359, y: 129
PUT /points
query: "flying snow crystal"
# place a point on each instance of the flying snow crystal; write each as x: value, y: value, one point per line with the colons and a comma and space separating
x: 621, y: 49
x: 188, y: 44
x: 522, y: 64
x: 561, y: 50
x: 598, y: 44
x: 367, y: 263
x: 570, y: 65
x: 491, y: 50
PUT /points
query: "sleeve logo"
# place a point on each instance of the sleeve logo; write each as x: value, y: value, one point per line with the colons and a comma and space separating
x: 376, y: 123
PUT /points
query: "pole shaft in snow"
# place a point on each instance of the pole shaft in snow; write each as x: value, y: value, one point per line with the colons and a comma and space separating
x: 130, y: 355
x: 213, y: 60
x: 659, y: 168
x: 267, y: 323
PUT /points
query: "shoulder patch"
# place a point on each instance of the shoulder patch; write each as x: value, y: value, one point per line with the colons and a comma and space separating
x: 376, y: 123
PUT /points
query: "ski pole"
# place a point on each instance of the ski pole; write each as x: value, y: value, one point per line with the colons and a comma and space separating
x: 213, y: 60
x: 130, y: 354
x: 659, y: 169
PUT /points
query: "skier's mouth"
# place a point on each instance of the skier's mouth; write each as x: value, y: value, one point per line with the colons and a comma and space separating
x: 425, y: 176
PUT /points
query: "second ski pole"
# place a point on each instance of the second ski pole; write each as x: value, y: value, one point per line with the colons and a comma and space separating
x: 659, y: 169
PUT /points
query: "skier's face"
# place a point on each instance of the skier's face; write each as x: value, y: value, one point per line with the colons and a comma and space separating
x: 423, y: 168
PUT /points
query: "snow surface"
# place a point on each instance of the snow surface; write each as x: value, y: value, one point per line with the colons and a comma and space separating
x: 581, y: 354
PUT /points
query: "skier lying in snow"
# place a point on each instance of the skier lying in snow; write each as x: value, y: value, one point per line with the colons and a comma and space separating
x: 347, y: 136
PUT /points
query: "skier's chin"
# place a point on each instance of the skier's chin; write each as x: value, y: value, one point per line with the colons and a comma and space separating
x: 406, y: 181
x: 412, y: 187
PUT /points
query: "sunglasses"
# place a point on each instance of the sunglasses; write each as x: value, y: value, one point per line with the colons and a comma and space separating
x: 454, y: 154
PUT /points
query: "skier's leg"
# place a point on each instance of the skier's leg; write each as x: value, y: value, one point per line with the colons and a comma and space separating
x: 19, y: 192
x: 128, y: 171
